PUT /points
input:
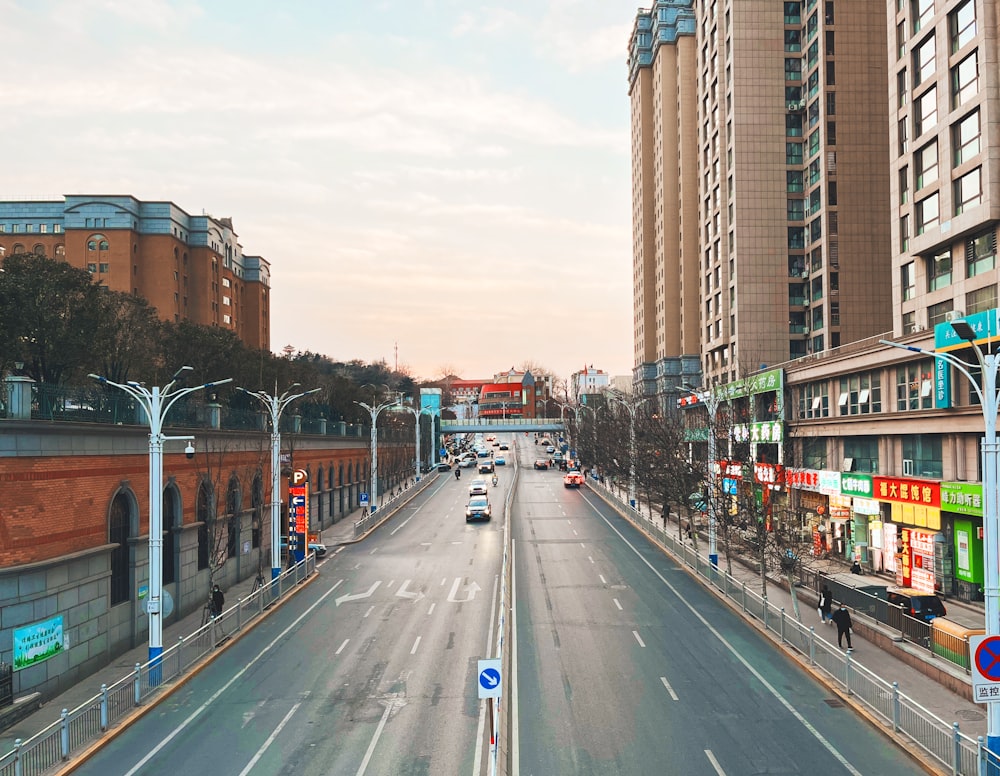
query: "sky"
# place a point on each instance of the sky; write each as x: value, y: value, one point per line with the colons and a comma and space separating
x: 441, y: 185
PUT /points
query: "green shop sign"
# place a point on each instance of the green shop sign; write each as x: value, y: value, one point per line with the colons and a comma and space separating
x: 964, y: 498
x: 859, y: 485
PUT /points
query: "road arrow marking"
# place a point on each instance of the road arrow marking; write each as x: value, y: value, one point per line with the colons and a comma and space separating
x: 404, y: 592
x: 471, y: 591
x: 359, y: 596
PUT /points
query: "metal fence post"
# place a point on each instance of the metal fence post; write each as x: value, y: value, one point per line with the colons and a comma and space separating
x: 980, y: 756
x: 781, y: 625
x: 895, y: 707
x: 763, y: 612
x: 847, y: 672
x: 17, y: 757
x: 744, y: 585
x: 64, y: 734
x: 812, y: 645
x: 956, y: 759
x: 137, y: 684
x: 239, y: 614
x: 180, y: 655
x: 104, y: 707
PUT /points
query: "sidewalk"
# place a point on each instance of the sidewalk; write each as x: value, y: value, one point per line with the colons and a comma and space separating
x: 341, y: 532
x: 893, y: 664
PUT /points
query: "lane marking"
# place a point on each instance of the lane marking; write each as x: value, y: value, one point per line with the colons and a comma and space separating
x: 400, y: 526
x: 618, y: 604
x: 370, y: 610
x: 236, y: 677
x: 669, y: 688
x: 415, y: 645
x: 715, y: 763
x: 443, y: 580
x: 515, y: 721
x: 341, y: 647
x: 734, y: 652
x: 374, y: 550
x: 269, y: 740
x: 494, y: 605
x: 575, y: 533
x: 375, y: 738
x: 391, y: 583
x: 639, y: 639
x: 603, y: 580
x: 590, y: 558
x: 431, y: 610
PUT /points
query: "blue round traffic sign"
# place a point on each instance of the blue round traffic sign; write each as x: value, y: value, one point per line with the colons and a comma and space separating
x: 489, y: 678
x: 988, y: 658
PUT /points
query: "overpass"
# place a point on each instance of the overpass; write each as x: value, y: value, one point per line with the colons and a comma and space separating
x: 488, y: 425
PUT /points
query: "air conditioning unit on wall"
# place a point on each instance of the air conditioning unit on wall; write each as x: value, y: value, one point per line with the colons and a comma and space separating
x: 954, y: 315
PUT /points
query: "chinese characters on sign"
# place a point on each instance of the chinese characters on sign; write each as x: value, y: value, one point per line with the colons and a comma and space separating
x: 298, y: 518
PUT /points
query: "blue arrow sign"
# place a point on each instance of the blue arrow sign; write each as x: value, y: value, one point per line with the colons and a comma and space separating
x: 489, y: 678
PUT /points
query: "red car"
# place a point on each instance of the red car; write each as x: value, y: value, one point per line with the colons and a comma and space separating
x: 573, y: 480
x: 540, y: 464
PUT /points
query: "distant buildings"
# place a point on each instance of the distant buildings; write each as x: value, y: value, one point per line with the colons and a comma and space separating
x: 190, y: 268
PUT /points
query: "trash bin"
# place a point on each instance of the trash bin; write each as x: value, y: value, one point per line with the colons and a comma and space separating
x: 951, y: 641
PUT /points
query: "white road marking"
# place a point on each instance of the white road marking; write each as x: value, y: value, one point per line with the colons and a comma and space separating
x: 470, y: 589
x: 403, y: 591
x: 669, y: 688
x: 236, y: 677
x: 391, y: 583
x: 375, y: 738
x: 603, y: 580
x: 359, y: 596
x: 590, y: 558
x: 270, y: 740
x: 370, y: 610
x: 715, y: 763
x: 425, y: 544
x: 569, y: 522
x: 415, y: 645
x: 398, y: 527
x: 639, y: 639
x: 514, y: 715
x: 618, y: 604
x: 373, y: 551
x: 443, y: 581
x: 575, y: 533
x: 431, y: 610
x: 477, y: 758
x: 736, y: 654
x: 341, y: 647
x: 584, y: 546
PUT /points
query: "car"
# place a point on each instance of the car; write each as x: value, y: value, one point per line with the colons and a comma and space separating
x: 541, y: 464
x: 500, y: 461
x: 478, y: 487
x: 550, y: 449
x: 504, y: 446
x: 573, y: 479
x: 484, y: 453
x: 316, y: 547
x: 468, y: 463
x: 478, y: 508
x: 444, y: 466
x: 486, y: 467
x: 916, y: 603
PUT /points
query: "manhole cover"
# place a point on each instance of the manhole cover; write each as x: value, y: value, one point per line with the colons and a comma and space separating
x: 970, y: 715
x: 834, y: 703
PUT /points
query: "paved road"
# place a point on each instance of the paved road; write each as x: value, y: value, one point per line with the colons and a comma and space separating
x: 625, y: 665
x: 371, y: 670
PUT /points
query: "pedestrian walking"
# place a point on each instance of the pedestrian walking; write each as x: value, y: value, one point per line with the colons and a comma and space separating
x: 856, y: 567
x: 218, y: 601
x: 825, y: 605
x: 842, y: 618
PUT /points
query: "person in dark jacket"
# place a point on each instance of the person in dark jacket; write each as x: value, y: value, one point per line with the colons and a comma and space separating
x: 856, y: 567
x: 218, y: 601
x: 825, y: 605
x: 842, y: 619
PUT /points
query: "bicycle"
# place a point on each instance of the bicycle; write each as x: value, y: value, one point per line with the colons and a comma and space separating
x: 257, y: 583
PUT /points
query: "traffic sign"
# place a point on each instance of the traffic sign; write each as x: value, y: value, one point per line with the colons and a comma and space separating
x: 985, y: 651
x: 363, y: 499
x: 489, y: 679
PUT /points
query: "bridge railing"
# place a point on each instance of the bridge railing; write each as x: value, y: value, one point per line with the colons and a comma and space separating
x: 525, y: 424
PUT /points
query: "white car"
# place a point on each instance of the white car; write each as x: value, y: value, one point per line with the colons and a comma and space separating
x: 478, y: 509
x: 478, y: 487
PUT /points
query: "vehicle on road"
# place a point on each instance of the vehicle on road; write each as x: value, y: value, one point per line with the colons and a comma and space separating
x: 444, y: 466
x: 504, y: 446
x: 477, y: 487
x: 468, y: 463
x: 916, y: 603
x: 550, y: 449
x: 573, y: 480
x: 478, y: 509
x: 487, y: 467
x: 500, y: 461
x: 316, y: 547
x: 541, y: 464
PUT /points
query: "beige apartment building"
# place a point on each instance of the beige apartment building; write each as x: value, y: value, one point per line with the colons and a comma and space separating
x: 878, y: 454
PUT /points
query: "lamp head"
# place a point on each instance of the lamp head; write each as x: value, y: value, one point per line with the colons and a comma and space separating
x: 963, y: 330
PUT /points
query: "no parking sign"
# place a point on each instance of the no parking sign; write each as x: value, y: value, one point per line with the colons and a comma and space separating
x: 985, y: 651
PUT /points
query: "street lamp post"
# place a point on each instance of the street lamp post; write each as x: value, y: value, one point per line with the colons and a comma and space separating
x: 416, y: 417
x: 712, y: 403
x: 375, y: 410
x: 275, y: 405
x: 989, y: 401
x: 632, y: 407
x: 156, y: 402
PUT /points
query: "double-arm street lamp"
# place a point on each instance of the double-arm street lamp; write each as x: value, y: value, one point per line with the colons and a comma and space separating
x: 989, y: 363
x: 156, y: 402
x: 275, y: 405
x: 631, y: 405
x: 375, y: 410
x: 710, y: 400
x: 417, y: 412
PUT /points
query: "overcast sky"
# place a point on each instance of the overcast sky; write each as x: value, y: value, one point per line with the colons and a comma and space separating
x: 449, y: 177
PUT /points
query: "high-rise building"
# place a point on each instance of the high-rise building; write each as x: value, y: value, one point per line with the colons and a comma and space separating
x: 190, y: 268
x: 780, y: 195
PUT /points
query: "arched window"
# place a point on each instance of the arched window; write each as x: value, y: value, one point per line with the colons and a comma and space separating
x: 171, y: 534
x: 61, y: 251
x: 39, y: 250
x: 204, y: 520
x: 233, y: 499
x: 18, y: 248
x: 257, y: 502
x: 119, y: 530
x: 330, y: 486
x: 319, y: 494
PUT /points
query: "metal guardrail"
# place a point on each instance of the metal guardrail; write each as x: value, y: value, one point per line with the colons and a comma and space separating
x: 77, y: 728
x: 962, y: 755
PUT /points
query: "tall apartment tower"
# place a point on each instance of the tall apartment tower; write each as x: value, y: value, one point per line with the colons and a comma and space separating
x: 189, y: 267
x: 944, y: 98
x: 664, y: 197
x: 790, y: 194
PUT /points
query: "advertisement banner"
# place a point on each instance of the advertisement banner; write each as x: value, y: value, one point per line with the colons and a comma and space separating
x: 37, y: 642
x: 964, y: 498
x: 908, y: 491
x: 298, y: 514
x: 859, y: 485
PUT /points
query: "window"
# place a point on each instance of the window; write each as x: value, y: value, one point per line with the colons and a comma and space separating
x: 795, y: 209
x: 225, y: 282
x: 968, y: 191
x: 915, y: 386
x: 908, y: 281
x: 927, y: 213
x: 923, y: 11
x: 902, y: 135
x: 925, y: 112
x: 119, y: 531
x: 104, y: 267
x: 814, y: 453
x: 233, y: 501
x: 863, y: 451
x: 205, y: 517
x: 965, y: 138
x: 793, y: 153
x: 981, y: 300
x: 793, y: 125
x: 793, y: 69
x: 92, y: 267
x: 904, y: 233
x: 936, y: 313
x: 965, y: 80
x: 860, y: 394
x: 962, y: 25
x: 814, y: 400
x: 924, y: 450
x: 923, y: 61
x: 925, y: 161
x: 904, y: 184
x: 900, y: 40
x: 814, y: 172
x: 909, y: 323
x: 814, y: 143
x: 980, y: 254
x: 793, y: 180
x: 793, y: 40
x: 939, y: 271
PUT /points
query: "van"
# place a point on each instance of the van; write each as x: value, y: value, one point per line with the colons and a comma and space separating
x: 916, y: 603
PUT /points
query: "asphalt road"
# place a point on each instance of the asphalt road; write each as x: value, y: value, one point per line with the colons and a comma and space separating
x: 625, y: 665
x: 371, y: 669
